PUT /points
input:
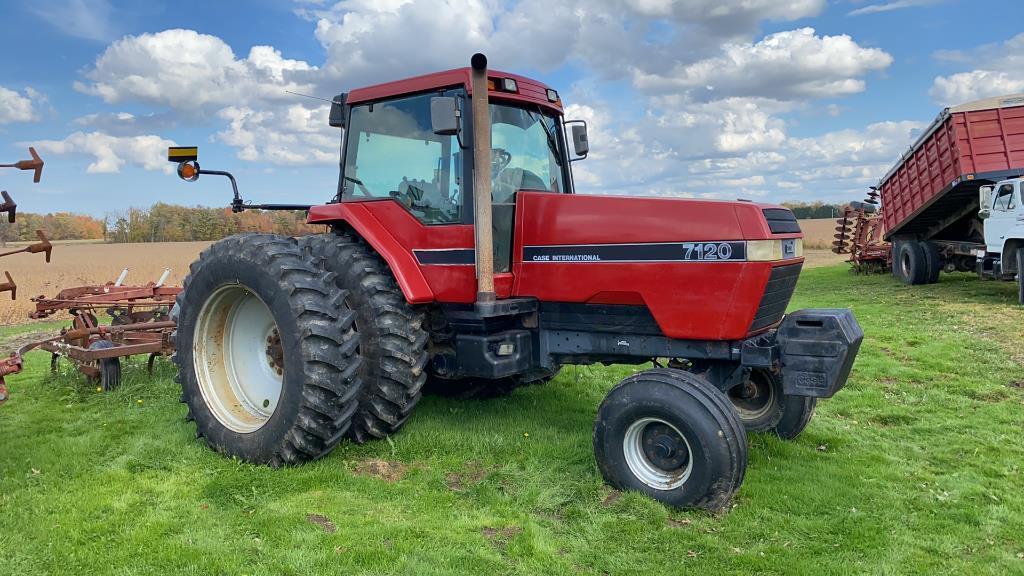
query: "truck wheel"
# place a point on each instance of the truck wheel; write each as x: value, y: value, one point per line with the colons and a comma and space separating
x: 673, y: 436
x: 933, y: 262
x: 110, y: 368
x: 1020, y: 275
x: 393, y: 343
x: 481, y: 389
x: 266, y: 352
x: 909, y: 264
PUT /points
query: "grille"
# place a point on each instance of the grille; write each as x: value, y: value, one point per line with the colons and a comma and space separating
x: 781, y: 221
x: 776, y: 297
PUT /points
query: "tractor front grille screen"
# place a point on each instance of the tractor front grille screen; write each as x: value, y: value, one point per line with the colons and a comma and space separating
x: 776, y: 297
x: 781, y: 221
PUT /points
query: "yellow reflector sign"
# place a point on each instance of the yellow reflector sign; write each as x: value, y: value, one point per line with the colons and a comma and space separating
x: 183, y: 153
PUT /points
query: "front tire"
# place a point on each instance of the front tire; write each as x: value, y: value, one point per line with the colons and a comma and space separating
x: 266, y: 352
x: 763, y: 406
x: 673, y: 436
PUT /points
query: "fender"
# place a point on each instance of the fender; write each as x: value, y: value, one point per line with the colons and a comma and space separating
x: 402, y: 263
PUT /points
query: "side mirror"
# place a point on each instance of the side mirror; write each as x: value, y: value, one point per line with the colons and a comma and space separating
x: 337, y: 116
x: 444, y: 116
x: 580, y: 144
x: 985, y: 201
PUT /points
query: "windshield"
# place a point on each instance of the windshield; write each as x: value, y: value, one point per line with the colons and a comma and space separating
x: 525, y: 152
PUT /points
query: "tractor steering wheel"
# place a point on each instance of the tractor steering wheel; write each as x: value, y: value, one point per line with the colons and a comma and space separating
x: 500, y: 159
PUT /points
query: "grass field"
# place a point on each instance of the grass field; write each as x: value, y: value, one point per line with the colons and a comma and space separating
x: 914, y: 468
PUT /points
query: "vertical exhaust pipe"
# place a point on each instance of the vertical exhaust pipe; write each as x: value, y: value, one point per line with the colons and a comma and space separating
x: 482, y: 221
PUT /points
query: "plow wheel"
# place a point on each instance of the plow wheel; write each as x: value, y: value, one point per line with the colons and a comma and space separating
x: 392, y: 340
x: 266, y: 352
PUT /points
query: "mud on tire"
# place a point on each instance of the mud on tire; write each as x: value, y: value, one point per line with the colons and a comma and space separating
x: 393, y: 343
x: 312, y: 348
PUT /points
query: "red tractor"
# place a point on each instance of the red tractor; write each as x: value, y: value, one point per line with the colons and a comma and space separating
x: 458, y: 253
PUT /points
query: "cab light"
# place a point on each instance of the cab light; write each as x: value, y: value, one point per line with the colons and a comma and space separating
x: 552, y: 95
x: 509, y: 85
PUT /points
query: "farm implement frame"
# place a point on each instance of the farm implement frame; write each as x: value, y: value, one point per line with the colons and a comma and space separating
x: 140, y: 324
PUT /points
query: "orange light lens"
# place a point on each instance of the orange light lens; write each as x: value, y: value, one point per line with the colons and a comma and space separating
x: 188, y: 171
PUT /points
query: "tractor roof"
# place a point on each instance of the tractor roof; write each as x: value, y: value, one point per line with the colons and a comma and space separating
x: 527, y: 90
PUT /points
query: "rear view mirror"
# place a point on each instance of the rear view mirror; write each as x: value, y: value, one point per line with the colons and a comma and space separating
x: 985, y: 201
x: 337, y: 116
x: 444, y: 116
x: 580, y: 144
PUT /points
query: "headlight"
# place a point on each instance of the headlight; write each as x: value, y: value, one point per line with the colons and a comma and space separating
x: 769, y: 250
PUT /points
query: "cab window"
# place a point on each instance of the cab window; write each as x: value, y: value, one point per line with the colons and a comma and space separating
x: 1004, y: 199
x: 391, y: 152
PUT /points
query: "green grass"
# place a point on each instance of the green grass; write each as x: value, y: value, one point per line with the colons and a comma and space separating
x: 915, y: 467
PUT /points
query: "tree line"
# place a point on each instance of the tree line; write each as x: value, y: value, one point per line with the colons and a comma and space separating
x: 172, y: 223
x: 806, y: 210
x: 158, y: 223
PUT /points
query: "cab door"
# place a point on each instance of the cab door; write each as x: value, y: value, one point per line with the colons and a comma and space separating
x: 1003, y: 216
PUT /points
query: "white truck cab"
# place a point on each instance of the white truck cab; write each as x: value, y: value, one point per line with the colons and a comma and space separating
x: 1002, y: 210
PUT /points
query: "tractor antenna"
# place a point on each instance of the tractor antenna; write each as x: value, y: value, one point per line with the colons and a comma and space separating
x: 313, y: 97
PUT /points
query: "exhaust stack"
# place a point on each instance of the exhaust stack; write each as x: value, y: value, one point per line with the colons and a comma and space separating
x: 482, y: 221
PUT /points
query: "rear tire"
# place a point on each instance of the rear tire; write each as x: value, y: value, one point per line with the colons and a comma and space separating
x: 933, y: 262
x: 673, y: 436
x: 393, y: 343
x: 266, y: 352
x: 909, y: 262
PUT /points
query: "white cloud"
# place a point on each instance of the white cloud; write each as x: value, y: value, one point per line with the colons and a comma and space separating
x: 709, y: 102
x: 890, y: 6
x: 1000, y: 73
x: 111, y: 153
x: 785, y: 65
x: 289, y: 135
x: 185, y: 70
x: 87, y: 19
x: 15, y: 107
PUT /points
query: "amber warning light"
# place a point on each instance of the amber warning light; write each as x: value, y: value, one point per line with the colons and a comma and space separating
x: 187, y: 158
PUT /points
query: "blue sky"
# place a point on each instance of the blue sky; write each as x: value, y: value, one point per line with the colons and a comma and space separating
x: 767, y: 99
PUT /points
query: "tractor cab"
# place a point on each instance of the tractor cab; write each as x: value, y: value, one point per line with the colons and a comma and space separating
x: 412, y: 142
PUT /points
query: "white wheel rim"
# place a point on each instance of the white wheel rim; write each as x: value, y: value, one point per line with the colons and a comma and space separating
x: 643, y: 468
x: 237, y: 357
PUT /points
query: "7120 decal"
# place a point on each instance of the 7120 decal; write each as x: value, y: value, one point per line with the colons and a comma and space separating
x: 707, y: 251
